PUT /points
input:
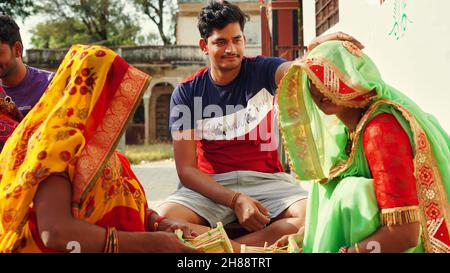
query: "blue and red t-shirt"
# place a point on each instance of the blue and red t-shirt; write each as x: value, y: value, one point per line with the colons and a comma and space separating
x: 234, y: 122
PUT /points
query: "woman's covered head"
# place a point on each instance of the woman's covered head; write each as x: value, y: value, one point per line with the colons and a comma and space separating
x: 340, y: 75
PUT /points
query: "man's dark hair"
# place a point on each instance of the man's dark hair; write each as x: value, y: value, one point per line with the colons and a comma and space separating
x: 9, y: 31
x: 217, y: 15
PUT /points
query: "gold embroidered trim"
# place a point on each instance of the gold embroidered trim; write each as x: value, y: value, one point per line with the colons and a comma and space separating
x: 400, y: 216
x: 99, y: 149
x: 333, y: 93
x: 430, y: 190
x: 300, y: 127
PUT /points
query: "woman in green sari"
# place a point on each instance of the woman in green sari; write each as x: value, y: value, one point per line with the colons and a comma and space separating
x: 381, y: 164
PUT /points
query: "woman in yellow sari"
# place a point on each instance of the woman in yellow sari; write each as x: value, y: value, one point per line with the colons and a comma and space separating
x: 62, y: 185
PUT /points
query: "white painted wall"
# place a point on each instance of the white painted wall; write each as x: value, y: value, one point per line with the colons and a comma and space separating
x: 416, y: 60
x: 187, y: 31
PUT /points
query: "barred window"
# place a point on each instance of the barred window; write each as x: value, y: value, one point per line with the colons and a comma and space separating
x: 327, y: 15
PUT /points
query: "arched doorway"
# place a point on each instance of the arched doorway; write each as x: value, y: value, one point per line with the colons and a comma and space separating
x: 135, y: 133
x: 162, y: 117
x: 159, y: 112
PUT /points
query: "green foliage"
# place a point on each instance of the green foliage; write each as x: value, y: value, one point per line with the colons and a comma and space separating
x: 84, y: 21
x: 16, y: 8
x: 162, y: 14
x: 49, y: 34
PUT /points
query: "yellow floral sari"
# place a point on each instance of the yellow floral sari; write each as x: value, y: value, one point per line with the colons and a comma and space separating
x: 73, y: 131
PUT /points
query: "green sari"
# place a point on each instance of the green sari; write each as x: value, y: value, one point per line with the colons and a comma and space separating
x: 342, y: 208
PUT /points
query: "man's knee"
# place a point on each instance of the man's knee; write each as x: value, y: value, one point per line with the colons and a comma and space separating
x: 296, y: 210
x: 176, y: 211
x: 287, y: 226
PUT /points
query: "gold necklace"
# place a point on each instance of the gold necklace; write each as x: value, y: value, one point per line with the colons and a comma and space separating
x: 350, y: 138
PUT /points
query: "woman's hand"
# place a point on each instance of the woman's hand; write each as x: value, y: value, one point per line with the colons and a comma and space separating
x: 340, y: 36
x: 169, y: 225
x: 284, y: 241
x: 165, y: 242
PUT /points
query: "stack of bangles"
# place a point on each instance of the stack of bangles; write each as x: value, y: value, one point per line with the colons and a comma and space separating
x: 112, y: 241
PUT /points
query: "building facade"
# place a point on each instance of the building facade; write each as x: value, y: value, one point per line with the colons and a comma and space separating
x: 168, y: 65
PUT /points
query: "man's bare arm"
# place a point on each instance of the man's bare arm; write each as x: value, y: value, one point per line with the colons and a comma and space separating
x: 340, y: 36
x: 250, y: 213
x: 184, y: 149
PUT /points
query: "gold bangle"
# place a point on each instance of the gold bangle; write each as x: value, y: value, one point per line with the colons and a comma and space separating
x: 115, y: 242
x: 108, y: 241
x: 357, y: 248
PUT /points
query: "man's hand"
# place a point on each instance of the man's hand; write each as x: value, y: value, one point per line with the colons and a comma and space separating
x: 252, y: 215
x: 340, y: 36
x: 169, y: 225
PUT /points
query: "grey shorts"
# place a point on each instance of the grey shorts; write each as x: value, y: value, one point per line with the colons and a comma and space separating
x: 276, y: 192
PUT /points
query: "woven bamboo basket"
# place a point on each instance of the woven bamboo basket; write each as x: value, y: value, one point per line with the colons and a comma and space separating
x: 295, y: 243
x: 294, y: 246
x: 265, y: 249
x: 213, y: 241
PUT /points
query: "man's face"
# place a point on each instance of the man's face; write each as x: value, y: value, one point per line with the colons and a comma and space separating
x: 8, y: 60
x: 225, y: 47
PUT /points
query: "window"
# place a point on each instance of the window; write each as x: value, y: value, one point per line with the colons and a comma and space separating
x: 327, y: 15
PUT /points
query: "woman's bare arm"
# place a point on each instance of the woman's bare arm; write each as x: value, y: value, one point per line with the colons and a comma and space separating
x: 57, y: 227
x: 390, y: 239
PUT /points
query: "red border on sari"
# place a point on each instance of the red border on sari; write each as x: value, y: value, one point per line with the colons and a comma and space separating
x: 114, y: 112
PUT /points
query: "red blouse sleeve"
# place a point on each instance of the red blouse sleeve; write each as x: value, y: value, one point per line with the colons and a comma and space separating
x: 389, y: 154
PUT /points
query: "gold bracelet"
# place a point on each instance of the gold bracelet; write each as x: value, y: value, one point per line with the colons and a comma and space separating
x: 106, y: 249
x: 115, y: 241
x: 107, y: 241
x: 357, y: 248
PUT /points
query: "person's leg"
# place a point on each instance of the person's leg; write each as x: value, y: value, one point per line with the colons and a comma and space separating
x: 285, y: 200
x: 272, y: 233
x: 288, y: 222
x: 284, y: 224
x: 179, y: 212
x: 192, y: 207
x: 296, y: 210
x: 195, y: 210
x: 187, y: 216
